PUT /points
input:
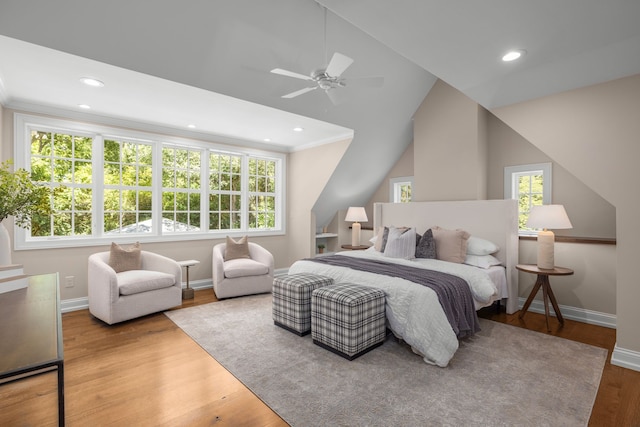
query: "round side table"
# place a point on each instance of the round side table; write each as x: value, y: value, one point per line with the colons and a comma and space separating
x: 542, y: 281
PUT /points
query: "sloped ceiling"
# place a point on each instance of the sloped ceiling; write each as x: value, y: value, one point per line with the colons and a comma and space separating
x: 193, y: 49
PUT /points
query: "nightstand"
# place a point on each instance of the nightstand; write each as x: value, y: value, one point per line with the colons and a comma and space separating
x: 187, y: 293
x: 547, y: 294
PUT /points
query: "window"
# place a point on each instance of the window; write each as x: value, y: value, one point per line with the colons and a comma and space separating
x: 148, y: 186
x: 225, y: 194
x: 400, y: 189
x: 181, y: 189
x: 531, y: 186
x: 128, y: 191
x: 63, y: 159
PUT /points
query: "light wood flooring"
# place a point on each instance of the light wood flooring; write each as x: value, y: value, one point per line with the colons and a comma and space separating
x: 147, y: 372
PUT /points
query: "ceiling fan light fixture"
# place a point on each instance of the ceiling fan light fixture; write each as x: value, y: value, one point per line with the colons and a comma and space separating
x: 512, y: 55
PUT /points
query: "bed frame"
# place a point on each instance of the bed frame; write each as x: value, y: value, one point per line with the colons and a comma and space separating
x: 494, y: 220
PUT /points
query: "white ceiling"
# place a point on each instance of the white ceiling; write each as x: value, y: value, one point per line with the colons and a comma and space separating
x: 207, y: 63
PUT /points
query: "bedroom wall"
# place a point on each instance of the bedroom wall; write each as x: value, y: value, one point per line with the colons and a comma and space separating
x: 593, y: 133
x: 449, y: 122
x: 403, y: 167
x: 590, y: 214
x: 308, y: 172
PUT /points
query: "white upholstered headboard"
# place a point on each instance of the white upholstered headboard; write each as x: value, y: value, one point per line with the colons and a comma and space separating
x: 494, y: 220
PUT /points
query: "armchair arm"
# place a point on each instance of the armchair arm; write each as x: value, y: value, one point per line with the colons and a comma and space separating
x: 156, y: 262
x: 102, y: 280
x: 217, y: 263
x: 263, y: 256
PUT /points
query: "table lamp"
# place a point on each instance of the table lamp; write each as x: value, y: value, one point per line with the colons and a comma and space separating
x: 545, y: 217
x: 356, y: 215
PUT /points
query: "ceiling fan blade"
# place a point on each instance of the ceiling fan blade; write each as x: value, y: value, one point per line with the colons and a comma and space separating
x: 336, y: 96
x: 290, y: 74
x: 364, y: 82
x: 299, y: 92
x: 338, y: 64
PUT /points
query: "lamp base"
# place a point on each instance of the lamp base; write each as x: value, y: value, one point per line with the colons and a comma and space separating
x: 355, y: 234
x: 545, y: 250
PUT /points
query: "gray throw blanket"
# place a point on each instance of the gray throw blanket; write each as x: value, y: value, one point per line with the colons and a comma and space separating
x: 453, y: 292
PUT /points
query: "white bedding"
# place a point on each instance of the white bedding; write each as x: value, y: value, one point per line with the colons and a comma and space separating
x: 413, y: 311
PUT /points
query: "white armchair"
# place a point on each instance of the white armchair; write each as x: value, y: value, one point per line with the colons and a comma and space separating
x: 115, y: 297
x: 243, y: 276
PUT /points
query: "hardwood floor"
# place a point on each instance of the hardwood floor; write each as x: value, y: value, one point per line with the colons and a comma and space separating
x: 147, y: 372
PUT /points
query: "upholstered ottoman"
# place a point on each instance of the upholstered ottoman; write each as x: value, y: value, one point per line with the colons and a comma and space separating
x: 292, y: 300
x: 348, y: 319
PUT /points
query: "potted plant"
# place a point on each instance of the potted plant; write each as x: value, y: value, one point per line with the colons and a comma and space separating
x: 320, y: 248
x: 20, y: 198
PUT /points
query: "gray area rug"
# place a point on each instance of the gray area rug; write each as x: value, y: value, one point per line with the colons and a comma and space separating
x: 503, y: 376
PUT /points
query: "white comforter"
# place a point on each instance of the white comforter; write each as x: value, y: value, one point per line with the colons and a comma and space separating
x: 413, y: 311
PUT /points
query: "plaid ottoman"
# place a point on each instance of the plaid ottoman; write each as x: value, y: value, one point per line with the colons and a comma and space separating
x: 292, y: 300
x: 348, y: 319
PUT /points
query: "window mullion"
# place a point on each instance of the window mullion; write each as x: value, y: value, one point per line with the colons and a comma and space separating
x: 97, y: 186
x: 244, y: 194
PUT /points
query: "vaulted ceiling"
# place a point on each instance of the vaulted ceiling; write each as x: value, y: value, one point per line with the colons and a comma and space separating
x: 174, y: 63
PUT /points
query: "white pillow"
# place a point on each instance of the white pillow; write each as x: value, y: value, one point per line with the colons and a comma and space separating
x: 401, y: 243
x: 479, y: 246
x: 482, y: 261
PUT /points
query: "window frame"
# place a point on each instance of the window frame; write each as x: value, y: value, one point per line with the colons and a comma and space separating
x: 394, y: 188
x: 24, y: 123
x: 511, y: 174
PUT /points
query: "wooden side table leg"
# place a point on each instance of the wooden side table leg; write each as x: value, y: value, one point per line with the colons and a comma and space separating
x: 532, y: 295
x: 545, y: 298
x: 556, y: 308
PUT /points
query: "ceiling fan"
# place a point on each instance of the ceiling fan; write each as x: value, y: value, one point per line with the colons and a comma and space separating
x: 329, y: 78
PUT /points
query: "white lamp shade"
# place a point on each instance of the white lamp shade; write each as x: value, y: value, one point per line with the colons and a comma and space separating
x: 548, y: 216
x: 356, y: 214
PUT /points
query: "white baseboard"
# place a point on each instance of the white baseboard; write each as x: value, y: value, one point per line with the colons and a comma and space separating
x: 74, y: 304
x: 625, y: 358
x: 574, y: 313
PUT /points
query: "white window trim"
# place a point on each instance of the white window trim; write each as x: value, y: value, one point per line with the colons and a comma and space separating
x: 510, y: 179
x: 393, y: 186
x: 24, y: 122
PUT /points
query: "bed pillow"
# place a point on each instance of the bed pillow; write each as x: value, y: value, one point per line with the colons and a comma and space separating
x: 401, y: 243
x: 451, y: 245
x: 236, y: 249
x: 426, y: 246
x: 482, y: 261
x: 377, y: 240
x: 121, y: 259
x: 479, y: 246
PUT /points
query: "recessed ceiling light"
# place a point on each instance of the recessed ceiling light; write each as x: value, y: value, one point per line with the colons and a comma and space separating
x: 298, y: 129
x: 512, y: 55
x: 90, y: 81
x: 84, y: 106
x: 267, y: 140
x: 191, y: 126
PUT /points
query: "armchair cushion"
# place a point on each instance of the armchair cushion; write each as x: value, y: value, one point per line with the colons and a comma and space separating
x: 121, y: 259
x: 243, y: 267
x: 135, y: 281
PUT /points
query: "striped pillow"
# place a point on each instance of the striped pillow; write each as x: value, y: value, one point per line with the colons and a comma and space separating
x: 401, y: 243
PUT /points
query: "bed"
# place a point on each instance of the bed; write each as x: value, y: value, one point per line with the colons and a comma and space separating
x: 414, y: 313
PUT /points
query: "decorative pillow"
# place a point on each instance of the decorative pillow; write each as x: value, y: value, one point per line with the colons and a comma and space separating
x: 482, y: 261
x: 236, y: 249
x: 479, y: 246
x: 401, y: 243
x: 451, y: 245
x: 426, y: 246
x: 121, y: 259
x: 377, y: 243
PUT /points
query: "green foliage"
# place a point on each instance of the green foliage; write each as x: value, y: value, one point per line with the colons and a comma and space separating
x: 20, y: 197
